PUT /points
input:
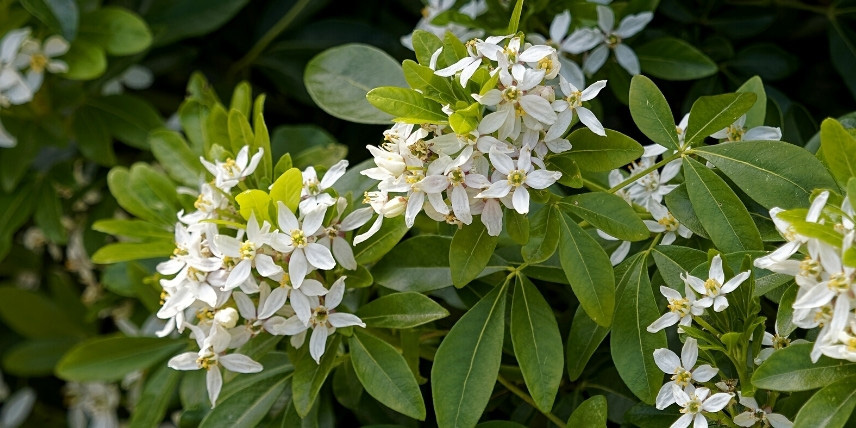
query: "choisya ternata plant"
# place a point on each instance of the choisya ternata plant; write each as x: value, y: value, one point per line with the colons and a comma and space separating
x: 506, y: 186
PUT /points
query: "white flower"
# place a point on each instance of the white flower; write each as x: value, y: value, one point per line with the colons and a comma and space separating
x: 713, y: 290
x: 518, y: 104
x: 681, y: 370
x: 650, y: 189
x: 755, y: 413
x: 608, y: 38
x: 681, y: 309
x: 92, y: 404
x: 6, y: 139
x: 210, y: 202
x: 313, y: 192
x: 666, y: 222
x: 229, y: 173
x: 738, y: 132
x: 695, y: 401
x: 558, y: 32
x: 333, y: 236
x: 779, y: 260
x: 572, y: 102
x: 248, y: 253
x: 209, y: 357
x: 17, y: 408
x: 14, y: 89
x: 620, y: 253
x: 517, y: 178
x: 385, y: 207
x: 324, y: 320
x: 298, y: 239
x: 436, y: 7
x: 38, y: 57
x: 476, y: 51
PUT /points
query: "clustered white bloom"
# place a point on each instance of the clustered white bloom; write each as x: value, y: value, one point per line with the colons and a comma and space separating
x: 23, y: 62
x: 434, y: 8
x: 826, y: 281
x: 606, y: 37
x: 215, y: 273
x: 453, y: 177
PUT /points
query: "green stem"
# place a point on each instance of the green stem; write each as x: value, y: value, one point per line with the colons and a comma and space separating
x: 644, y: 172
x: 523, y: 395
x: 707, y: 326
x: 271, y: 34
x: 654, y: 243
x: 594, y: 186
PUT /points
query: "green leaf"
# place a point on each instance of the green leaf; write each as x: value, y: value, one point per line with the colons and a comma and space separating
x: 467, y: 362
x: 119, y: 181
x: 543, y: 235
x: 309, y: 376
x: 673, y: 261
x: 407, y: 105
x: 247, y: 399
x: 591, y: 413
x: 632, y: 346
x: 674, y: 59
x: 515, y: 17
x: 48, y: 215
x: 841, y: 148
x: 385, y: 375
x: 713, y: 113
x: 93, y: 136
x: 240, y: 131
x: 310, y: 145
x: 720, y: 211
x: 179, y: 19
x: 680, y: 206
x: 36, y: 358
x: 59, y: 15
x: 109, y: 359
x: 262, y: 139
x: 842, y: 50
x: 767, y: 170
x: 609, y: 213
x: 433, y: 86
x: 830, y: 407
x: 756, y: 115
x: 374, y: 248
x: 414, y: 265
x: 117, y: 30
x: 583, y: 339
x: 791, y: 369
x: 785, y: 314
x: 155, y: 397
x: 130, y: 119
x: 571, y: 176
x: 470, y: 252
x: 33, y: 316
x: 537, y: 343
x: 193, y: 116
x: 85, y: 61
x: 592, y: 152
x: 517, y: 226
x: 401, y: 310
x: 131, y: 228
x: 125, y: 251
x: 589, y: 272
x: 176, y: 157
x: 242, y: 98
x: 286, y: 189
x: 424, y: 45
x: 651, y: 112
x: 256, y: 202
x: 339, y: 78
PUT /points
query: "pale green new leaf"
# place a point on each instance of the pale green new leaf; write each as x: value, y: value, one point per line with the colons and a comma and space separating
x: 407, y: 105
x: 839, y: 150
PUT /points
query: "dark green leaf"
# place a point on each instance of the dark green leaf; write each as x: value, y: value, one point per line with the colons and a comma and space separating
x: 33, y: 316
x: 470, y: 252
x: 543, y: 236
x: 309, y: 376
x: 651, y: 112
x: 583, y: 339
x: 374, y: 248
x: 592, y: 152
x: 713, y: 113
x: 609, y: 213
x: 791, y: 369
x: 674, y: 59
x: 155, y: 397
x: 111, y: 358
x: 401, y: 310
x: 118, y: 31
x: 591, y: 413
x: 830, y: 407
x: 176, y: 157
x: 180, y: 19
x: 756, y: 115
x: 589, y: 272
x: 414, y: 265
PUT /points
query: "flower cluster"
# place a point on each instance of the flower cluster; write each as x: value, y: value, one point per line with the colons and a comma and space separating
x: 453, y: 176
x: 240, y: 280
x: 826, y: 275
x: 433, y: 8
x: 23, y: 63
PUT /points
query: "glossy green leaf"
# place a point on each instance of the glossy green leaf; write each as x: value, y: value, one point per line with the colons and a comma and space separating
x: 651, y: 112
x: 785, y: 313
x: 287, y: 188
x: 423, y: 78
x: 632, y: 346
x: 710, y: 114
x: 470, y: 252
x: 543, y: 235
x: 514, y: 23
x: 256, y: 202
x: 339, y: 78
x: 590, y: 413
x: 155, y: 397
x: 680, y: 206
x: 60, y: 15
x: 673, y: 261
x: 583, y: 339
x: 571, y: 175
x: 674, y: 59
x: 309, y: 376
x: 757, y: 114
x: 262, y: 139
x: 374, y: 248
x: 720, y: 211
x: 117, y: 30
x: 240, y: 131
x: 839, y: 149
x: 132, y: 228
x: 130, y: 119
x: 34, y: 316
x: 125, y: 251
x: 830, y: 407
x: 609, y: 213
x: 414, y: 265
x: 767, y: 171
x: 407, y: 105
x: 85, y: 61
x: 791, y: 369
x: 401, y: 310
x: 176, y: 157
x: 517, y: 226
x: 591, y: 152
x: 385, y: 375
x: 537, y: 343
x: 467, y: 362
x: 425, y: 44
x: 247, y: 399
x: 36, y: 358
x: 111, y: 358
x: 589, y: 272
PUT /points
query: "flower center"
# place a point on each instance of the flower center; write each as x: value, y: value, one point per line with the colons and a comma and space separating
x: 851, y: 344
x: 299, y: 238
x: 38, y: 62
x: 163, y: 296
x: 312, y: 186
x: 205, y: 314
x: 546, y: 64
x: 206, y: 361
x: 319, y: 316
x: 333, y: 231
x: 669, y: 222
x: 230, y: 166
x: 693, y: 407
x: 712, y: 286
x: 735, y: 133
x: 201, y: 203
x: 780, y: 342
x: 195, y: 274
x: 285, y: 281
x: 838, y: 282
x: 516, y: 178
x: 680, y: 306
x: 809, y: 267
x: 248, y: 250
x: 682, y: 377
x: 456, y: 176
x: 612, y: 40
x: 510, y: 94
x: 575, y: 99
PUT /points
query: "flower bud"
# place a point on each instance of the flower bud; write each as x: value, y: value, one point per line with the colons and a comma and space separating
x: 227, y: 317
x: 391, y: 162
x: 395, y: 207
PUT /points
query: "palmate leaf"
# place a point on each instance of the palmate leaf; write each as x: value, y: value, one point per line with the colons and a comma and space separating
x: 467, y: 362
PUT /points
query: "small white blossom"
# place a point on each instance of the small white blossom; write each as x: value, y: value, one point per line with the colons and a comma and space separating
x: 229, y: 173
x: 682, y: 371
x: 714, y: 289
x: 756, y: 414
x: 695, y: 401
